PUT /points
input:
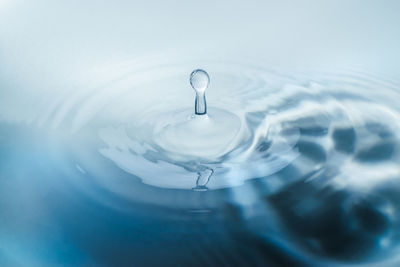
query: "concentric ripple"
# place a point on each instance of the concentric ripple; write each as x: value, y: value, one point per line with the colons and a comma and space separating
x: 306, y: 161
x: 146, y: 126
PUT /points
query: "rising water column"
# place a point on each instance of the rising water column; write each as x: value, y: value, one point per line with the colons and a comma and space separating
x: 199, y: 81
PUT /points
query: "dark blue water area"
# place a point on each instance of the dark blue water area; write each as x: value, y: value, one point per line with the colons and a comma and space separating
x: 48, y: 220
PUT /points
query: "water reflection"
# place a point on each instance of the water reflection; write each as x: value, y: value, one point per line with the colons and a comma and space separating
x: 317, y: 184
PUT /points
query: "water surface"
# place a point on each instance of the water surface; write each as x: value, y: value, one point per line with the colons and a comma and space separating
x: 310, y: 178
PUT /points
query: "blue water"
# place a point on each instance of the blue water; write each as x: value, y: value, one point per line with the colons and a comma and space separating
x: 321, y: 190
x: 104, y: 163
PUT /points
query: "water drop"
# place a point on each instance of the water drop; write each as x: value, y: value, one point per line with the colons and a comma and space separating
x: 199, y: 81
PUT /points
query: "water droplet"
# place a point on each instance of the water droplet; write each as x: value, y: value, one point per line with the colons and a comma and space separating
x: 199, y: 81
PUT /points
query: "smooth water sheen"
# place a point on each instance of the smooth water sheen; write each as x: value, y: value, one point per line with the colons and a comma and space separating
x: 280, y: 168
